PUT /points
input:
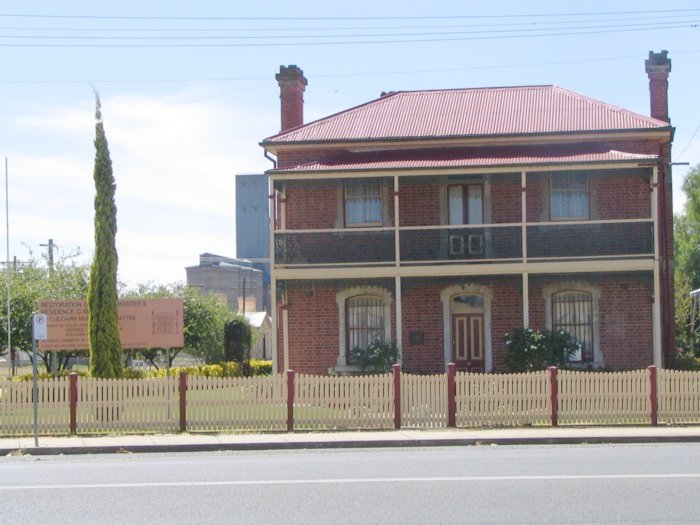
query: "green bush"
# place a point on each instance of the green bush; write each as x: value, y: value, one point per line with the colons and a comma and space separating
x: 258, y: 367
x: 528, y: 349
x: 376, y: 358
x: 686, y: 360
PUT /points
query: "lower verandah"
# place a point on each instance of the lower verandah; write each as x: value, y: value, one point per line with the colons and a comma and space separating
x: 611, y: 311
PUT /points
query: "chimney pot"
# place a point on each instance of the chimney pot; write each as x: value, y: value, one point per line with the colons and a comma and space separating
x: 292, y: 84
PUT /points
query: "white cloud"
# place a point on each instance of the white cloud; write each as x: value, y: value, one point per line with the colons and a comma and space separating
x: 174, y: 159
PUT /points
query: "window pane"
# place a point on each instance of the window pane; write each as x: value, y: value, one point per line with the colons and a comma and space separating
x: 363, y: 202
x: 572, y: 312
x: 569, y: 196
x: 456, y: 204
x: 476, y: 204
x: 365, y: 321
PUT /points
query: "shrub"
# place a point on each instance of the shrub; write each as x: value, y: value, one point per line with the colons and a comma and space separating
x: 377, y: 357
x: 686, y: 360
x: 258, y: 367
x: 237, y: 342
x: 529, y: 349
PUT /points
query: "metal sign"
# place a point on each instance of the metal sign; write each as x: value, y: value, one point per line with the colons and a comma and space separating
x: 40, y: 327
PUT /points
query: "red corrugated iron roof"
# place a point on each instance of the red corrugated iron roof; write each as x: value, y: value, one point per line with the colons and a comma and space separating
x: 519, y: 156
x: 522, y: 110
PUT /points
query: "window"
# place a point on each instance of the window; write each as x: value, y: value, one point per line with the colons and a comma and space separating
x: 572, y: 312
x: 364, y: 314
x: 363, y: 203
x: 365, y: 321
x: 569, y: 196
x: 465, y: 203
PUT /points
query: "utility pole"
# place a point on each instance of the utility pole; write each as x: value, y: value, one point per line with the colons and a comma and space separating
x: 51, y: 247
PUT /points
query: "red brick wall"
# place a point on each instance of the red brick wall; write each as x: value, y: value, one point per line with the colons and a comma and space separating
x: 310, y: 207
x: 537, y: 190
x: 624, y: 313
x: 313, y: 329
x: 621, y: 197
x: 506, y: 203
x: 419, y: 205
x: 423, y: 311
x: 626, y: 325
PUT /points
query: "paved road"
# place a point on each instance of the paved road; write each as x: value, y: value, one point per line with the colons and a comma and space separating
x: 508, y: 484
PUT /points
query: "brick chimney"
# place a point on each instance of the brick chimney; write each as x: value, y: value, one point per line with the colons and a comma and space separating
x: 658, y: 66
x: 292, y: 84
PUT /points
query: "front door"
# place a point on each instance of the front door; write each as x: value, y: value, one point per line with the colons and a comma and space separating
x: 468, y: 341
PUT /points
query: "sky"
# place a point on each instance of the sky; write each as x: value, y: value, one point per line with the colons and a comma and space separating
x: 188, y: 92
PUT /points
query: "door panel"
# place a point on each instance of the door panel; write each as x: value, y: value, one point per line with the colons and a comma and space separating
x: 468, y: 341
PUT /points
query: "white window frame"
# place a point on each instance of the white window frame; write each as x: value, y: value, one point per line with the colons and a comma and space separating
x: 347, y: 197
x: 576, y: 286
x: 572, y: 176
x: 341, y: 299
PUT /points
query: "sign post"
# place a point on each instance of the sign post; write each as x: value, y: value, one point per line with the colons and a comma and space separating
x: 39, y: 332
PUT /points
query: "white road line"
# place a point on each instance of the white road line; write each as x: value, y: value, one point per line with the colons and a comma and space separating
x: 341, y: 481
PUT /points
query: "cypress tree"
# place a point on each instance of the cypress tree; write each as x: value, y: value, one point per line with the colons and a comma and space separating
x: 103, y: 317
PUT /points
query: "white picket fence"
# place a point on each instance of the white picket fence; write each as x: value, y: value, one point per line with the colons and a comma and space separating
x: 236, y: 403
x: 494, y: 400
x: 605, y: 398
x: 17, y: 409
x: 679, y: 396
x: 355, y: 402
x: 127, y: 405
x: 359, y: 402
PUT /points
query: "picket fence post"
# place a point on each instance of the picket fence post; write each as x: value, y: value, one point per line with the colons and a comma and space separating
x: 73, y: 400
x: 451, y: 396
x: 554, y: 389
x: 653, y: 395
x: 290, y: 400
x: 396, y: 371
x: 183, y: 401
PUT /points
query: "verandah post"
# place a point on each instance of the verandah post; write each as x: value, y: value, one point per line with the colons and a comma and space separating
x: 554, y: 390
x: 653, y: 395
x: 73, y: 400
x: 183, y: 401
x: 290, y: 400
x: 451, y: 396
x: 396, y: 371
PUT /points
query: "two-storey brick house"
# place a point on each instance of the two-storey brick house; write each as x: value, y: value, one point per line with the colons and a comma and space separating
x: 443, y: 219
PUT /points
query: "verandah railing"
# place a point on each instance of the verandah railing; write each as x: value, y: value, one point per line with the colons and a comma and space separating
x: 399, y: 400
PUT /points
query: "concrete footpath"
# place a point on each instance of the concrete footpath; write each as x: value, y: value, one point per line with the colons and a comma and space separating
x: 361, y: 439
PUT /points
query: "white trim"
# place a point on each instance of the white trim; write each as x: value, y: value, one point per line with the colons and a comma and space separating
x: 341, y: 298
x: 563, y: 286
x: 476, y: 170
x: 468, y: 289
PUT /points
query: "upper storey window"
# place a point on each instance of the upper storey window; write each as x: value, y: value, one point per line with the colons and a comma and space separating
x: 466, y: 203
x: 363, y: 203
x: 569, y: 196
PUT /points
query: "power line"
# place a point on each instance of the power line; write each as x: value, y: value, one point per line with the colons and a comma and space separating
x: 689, y: 142
x: 520, y: 32
x: 676, y: 18
x: 570, y: 32
x: 322, y: 18
x: 346, y: 75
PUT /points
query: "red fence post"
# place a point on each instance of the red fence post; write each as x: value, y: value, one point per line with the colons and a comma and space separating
x: 451, y: 396
x: 290, y: 400
x: 183, y: 401
x: 73, y: 400
x: 554, y: 387
x: 396, y: 371
x: 653, y: 395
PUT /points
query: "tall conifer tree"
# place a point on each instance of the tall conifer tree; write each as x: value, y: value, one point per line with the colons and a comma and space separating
x: 103, y: 322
